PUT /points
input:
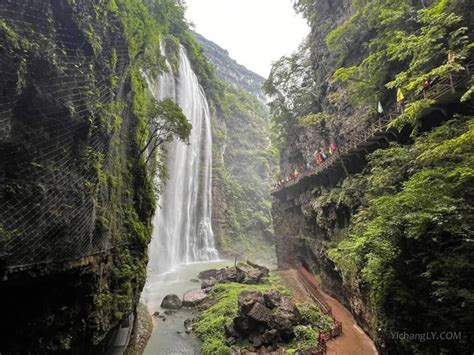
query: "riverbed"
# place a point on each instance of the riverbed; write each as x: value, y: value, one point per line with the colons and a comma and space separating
x: 169, y: 337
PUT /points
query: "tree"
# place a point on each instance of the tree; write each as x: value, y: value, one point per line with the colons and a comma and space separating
x: 166, y: 123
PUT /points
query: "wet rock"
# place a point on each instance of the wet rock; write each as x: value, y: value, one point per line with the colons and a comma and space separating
x: 230, y: 331
x: 195, y: 280
x: 253, y: 273
x: 207, y: 274
x: 270, y: 337
x: 230, y: 275
x: 256, y: 339
x: 188, y: 326
x: 247, y: 299
x: 272, y: 299
x: 207, y: 283
x: 156, y: 314
x: 169, y: 312
x: 171, y: 302
x: 194, y: 297
x: 241, y: 324
x: 260, y: 313
x: 207, y: 290
x: 245, y: 273
x: 264, y: 320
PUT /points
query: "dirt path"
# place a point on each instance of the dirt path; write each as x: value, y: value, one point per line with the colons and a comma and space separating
x: 353, y: 340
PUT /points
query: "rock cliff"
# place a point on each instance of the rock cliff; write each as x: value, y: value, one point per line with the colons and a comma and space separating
x: 76, y: 198
x: 331, y: 223
x: 228, y: 70
x: 243, y: 160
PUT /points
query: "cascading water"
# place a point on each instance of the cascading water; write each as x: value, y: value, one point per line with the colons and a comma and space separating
x: 182, y: 225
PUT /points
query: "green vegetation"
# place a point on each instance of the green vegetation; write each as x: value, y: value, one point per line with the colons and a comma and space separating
x: 383, y: 46
x: 400, y: 232
x: 410, y: 246
x: 166, y: 123
x: 210, y: 325
x: 243, y: 166
x: 224, y: 308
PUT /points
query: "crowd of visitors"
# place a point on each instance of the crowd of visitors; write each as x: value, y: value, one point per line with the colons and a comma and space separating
x: 319, y: 157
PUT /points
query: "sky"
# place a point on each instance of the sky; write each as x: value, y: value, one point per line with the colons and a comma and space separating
x: 255, y: 32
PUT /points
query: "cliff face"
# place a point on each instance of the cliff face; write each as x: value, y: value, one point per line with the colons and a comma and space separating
x: 228, y: 70
x: 353, y: 223
x: 75, y: 196
x: 243, y: 161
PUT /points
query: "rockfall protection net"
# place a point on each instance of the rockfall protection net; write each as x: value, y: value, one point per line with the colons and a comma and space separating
x: 54, y: 82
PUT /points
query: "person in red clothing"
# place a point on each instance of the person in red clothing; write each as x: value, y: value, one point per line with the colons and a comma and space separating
x: 323, y: 338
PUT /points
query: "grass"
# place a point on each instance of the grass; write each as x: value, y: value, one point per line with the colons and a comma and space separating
x: 210, y: 326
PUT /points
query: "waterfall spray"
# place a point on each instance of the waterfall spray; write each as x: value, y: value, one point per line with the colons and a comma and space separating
x: 182, y: 225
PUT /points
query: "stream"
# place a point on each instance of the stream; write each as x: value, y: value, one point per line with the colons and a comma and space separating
x: 169, y: 337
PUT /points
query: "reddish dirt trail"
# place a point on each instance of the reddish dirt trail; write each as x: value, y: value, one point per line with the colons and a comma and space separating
x: 353, y: 340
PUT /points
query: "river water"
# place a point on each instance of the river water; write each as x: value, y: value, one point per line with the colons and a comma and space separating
x: 169, y: 337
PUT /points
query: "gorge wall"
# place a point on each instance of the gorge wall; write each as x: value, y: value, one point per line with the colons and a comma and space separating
x: 243, y: 160
x: 367, y: 227
x: 76, y: 190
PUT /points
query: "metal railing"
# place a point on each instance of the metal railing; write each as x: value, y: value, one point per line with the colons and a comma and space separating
x: 358, y: 137
x: 312, y: 286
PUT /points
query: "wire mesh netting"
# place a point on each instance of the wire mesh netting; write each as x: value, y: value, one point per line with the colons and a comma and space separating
x: 54, y: 84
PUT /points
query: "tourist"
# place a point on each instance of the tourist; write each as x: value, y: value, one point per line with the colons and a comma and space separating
x: 400, y: 99
x: 323, y: 155
x: 451, y: 58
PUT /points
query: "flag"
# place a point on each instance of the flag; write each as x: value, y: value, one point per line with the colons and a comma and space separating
x: 379, y: 107
x: 400, y: 96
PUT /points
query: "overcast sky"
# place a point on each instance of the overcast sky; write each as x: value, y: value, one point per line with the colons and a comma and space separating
x: 255, y: 32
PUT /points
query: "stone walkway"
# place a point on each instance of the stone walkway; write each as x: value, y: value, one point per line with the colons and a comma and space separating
x: 353, y: 340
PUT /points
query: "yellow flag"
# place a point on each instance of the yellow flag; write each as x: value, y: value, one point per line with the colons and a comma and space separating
x: 400, y: 96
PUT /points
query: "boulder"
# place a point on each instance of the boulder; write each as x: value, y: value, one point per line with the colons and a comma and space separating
x: 272, y: 299
x: 265, y: 320
x: 247, y: 299
x: 171, y: 302
x: 207, y: 274
x: 230, y: 331
x: 253, y: 273
x: 264, y: 269
x: 260, y: 313
x: 194, y: 297
x: 206, y: 283
x: 256, y: 339
x: 230, y: 275
x: 270, y: 337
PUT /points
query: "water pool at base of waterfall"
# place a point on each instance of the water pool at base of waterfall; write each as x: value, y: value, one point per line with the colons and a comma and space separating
x: 169, y: 337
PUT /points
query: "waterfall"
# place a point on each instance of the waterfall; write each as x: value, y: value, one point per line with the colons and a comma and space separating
x: 182, y: 224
